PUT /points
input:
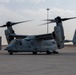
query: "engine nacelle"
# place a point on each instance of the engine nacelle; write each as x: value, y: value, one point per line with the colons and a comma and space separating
x: 7, y: 33
x: 58, y: 37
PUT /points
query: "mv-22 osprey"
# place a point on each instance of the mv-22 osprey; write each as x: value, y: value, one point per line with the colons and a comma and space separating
x: 48, y: 43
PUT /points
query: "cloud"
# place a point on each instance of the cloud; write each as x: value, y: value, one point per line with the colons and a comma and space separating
x: 61, y: 12
x: 21, y: 1
x: 4, y: 1
x: 8, y: 14
x: 37, y: 1
x: 40, y: 13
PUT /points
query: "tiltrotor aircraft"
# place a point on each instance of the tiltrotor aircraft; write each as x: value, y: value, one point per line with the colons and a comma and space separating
x: 48, y: 43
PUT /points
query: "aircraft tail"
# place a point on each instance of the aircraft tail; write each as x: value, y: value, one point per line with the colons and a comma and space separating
x: 74, y: 38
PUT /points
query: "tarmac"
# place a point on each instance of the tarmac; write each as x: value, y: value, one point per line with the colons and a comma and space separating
x: 63, y: 63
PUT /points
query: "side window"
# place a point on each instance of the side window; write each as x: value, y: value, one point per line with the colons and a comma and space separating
x: 18, y: 42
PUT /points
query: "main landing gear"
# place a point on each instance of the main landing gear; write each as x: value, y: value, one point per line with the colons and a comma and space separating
x: 54, y: 52
x: 48, y: 52
x: 10, y: 53
x: 34, y: 53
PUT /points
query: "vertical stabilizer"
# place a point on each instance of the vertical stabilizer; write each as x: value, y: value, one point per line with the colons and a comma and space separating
x: 74, y: 38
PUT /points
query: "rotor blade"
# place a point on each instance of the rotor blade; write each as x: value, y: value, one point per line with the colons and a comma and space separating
x: 52, y: 20
x: 8, y: 24
x: 20, y: 22
x: 64, y: 19
x: 3, y: 26
x: 48, y: 20
x: 45, y: 23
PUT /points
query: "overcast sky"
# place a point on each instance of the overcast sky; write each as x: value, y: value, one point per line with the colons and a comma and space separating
x: 20, y: 10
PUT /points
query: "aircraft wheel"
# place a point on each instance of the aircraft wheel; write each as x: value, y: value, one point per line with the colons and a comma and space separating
x: 48, y: 52
x: 10, y: 53
x: 34, y: 52
x: 55, y: 52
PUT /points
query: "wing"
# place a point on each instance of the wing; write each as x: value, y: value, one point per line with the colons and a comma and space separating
x: 40, y: 37
x: 44, y: 36
x: 18, y: 36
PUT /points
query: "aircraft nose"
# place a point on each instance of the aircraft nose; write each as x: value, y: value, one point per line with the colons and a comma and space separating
x: 9, y: 48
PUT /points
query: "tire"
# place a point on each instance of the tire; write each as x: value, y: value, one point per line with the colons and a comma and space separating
x: 34, y: 53
x: 10, y: 53
x: 48, y: 52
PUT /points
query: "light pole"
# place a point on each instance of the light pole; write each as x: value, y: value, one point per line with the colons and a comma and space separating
x: 47, y: 19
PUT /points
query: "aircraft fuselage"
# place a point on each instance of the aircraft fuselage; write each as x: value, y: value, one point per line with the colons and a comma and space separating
x: 30, y: 44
